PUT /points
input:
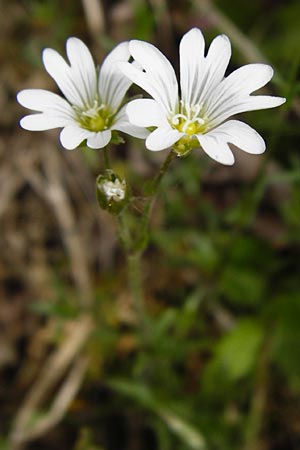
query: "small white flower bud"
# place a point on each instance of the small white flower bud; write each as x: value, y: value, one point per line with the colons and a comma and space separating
x: 111, y: 191
x: 114, y: 190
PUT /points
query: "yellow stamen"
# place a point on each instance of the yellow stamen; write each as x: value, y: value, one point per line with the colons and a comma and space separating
x: 96, y: 118
x: 190, y: 120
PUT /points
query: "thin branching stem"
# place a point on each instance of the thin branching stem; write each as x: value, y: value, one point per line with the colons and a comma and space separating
x: 151, y: 201
x: 135, y: 246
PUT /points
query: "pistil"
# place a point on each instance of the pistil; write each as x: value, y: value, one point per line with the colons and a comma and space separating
x: 189, y: 120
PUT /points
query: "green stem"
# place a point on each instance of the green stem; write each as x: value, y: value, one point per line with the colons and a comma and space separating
x: 106, y: 157
x: 134, y: 272
x: 151, y: 201
x: 135, y: 247
x: 163, y: 169
x: 124, y: 232
x: 253, y: 440
x: 136, y: 287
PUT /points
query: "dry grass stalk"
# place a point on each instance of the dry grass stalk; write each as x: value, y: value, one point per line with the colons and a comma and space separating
x: 54, y: 369
x: 94, y: 16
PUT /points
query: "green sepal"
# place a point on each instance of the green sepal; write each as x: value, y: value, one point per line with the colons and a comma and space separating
x: 116, y: 138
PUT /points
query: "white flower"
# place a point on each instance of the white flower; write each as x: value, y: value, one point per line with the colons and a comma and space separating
x: 92, y: 109
x: 208, y: 98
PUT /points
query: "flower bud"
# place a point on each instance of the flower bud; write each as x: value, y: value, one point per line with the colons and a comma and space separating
x: 111, y: 191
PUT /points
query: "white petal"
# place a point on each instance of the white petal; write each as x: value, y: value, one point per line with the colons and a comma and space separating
x: 243, y: 104
x: 249, y: 78
x: 216, y: 147
x: 60, y: 71
x: 132, y: 130
x: 99, y: 140
x: 162, y: 138
x: 122, y: 123
x: 158, y: 78
x: 199, y: 75
x: 191, y: 51
x: 42, y: 122
x: 142, y: 79
x: 145, y: 113
x: 264, y: 101
x: 112, y: 83
x: 45, y: 101
x: 72, y: 136
x: 238, y: 85
x: 158, y: 67
x: 215, y: 65
x: 241, y: 135
x: 82, y: 69
x: 78, y: 82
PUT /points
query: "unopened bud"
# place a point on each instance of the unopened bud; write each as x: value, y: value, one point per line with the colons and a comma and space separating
x: 111, y: 191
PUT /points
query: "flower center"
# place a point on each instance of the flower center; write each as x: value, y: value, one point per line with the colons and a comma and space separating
x: 97, y: 118
x: 191, y: 120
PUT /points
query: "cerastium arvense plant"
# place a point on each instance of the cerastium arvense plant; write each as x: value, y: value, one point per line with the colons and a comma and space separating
x: 194, y: 116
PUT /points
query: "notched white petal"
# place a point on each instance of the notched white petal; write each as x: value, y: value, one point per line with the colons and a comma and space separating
x: 234, y: 91
x: 146, y: 82
x: 191, y: 51
x: 122, y: 123
x: 99, y: 140
x: 72, y: 136
x: 162, y: 138
x: 249, y: 78
x: 217, y: 59
x: 241, y: 135
x: 159, y: 72
x: 46, y: 101
x: 145, y: 113
x: 60, y: 71
x: 112, y: 83
x: 216, y: 148
x: 42, y: 122
x: 220, y: 47
x: 243, y: 104
x: 82, y: 69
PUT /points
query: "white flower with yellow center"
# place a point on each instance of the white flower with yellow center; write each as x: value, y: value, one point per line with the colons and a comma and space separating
x: 92, y: 109
x: 208, y: 98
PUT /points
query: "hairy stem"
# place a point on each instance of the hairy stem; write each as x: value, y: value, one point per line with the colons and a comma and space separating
x: 151, y: 201
x: 135, y: 246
